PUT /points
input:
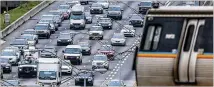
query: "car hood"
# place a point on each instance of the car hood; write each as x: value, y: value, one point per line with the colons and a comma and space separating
x: 100, y: 32
x: 66, y: 54
x: 65, y: 67
x: 77, y: 21
x: 27, y: 66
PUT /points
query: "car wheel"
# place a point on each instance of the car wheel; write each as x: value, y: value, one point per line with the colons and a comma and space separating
x: 1, y: 76
x: 90, y: 38
x: 101, y: 38
x: 121, y: 18
x: 19, y: 76
x: 58, y: 44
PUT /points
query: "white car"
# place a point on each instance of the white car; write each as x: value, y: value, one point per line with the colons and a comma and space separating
x: 11, y: 55
x: 96, y: 32
x: 66, y: 67
x: 128, y: 30
x: 100, y: 61
x: 31, y: 39
x: 118, y: 39
x: 16, y: 49
x: 73, y: 53
x: 105, y: 4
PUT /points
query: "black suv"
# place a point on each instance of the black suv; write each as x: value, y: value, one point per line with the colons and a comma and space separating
x: 5, y: 64
x: 136, y: 20
x: 27, y: 67
x: 64, y: 38
x: 84, y: 75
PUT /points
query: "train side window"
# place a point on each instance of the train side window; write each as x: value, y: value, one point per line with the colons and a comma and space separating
x: 149, y: 37
x: 188, y: 37
x: 156, y: 38
x: 199, y: 38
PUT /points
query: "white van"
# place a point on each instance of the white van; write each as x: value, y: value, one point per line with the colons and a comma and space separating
x: 49, y: 71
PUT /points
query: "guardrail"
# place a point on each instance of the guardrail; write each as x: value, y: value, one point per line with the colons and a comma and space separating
x: 13, y: 26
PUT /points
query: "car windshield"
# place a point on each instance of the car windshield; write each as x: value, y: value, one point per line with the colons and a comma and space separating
x: 77, y: 17
x: 47, y: 75
x: 105, y: 20
x: 28, y: 61
x: 19, y: 42
x: 96, y: 5
x: 4, y: 60
x: 55, y: 12
x: 72, y: 50
x: 29, y: 37
x: 64, y: 36
x: 8, y: 53
x: 118, y: 36
x: 148, y: 4
x: 106, y: 48
x: 66, y: 62
x: 47, y: 17
x: 63, y: 7
x: 115, y: 83
x: 100, y: 58
x: 46, y: 20
x: 84, y: 45
x: 96, y: 28
x: 41, y: 27
x: 114, y: 8
x: 29, y: 32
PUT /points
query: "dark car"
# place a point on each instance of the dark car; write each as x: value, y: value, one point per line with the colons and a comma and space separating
x: 5, y: 64
x: 84, y: 75
x: 144, y: 6
x: 96, y: 8
x: 84, y: 2
x: 155, y: 4
x: 48, y: 52
x: 27, y: 67
x: 136, y: 20
x: 43, y: 30
x: 115, y: 12
x: 64, y: 39
x: 106, y: 23
x: 86, y: 48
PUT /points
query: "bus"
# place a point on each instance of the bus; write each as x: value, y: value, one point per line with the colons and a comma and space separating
x: 176, y: 47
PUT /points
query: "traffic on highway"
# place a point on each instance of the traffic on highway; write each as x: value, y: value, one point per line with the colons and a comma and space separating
x: 77, y: 43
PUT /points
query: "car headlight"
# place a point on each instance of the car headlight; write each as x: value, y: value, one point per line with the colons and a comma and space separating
x: 34, y: 69
x: 87, y: 49
x: 59, y: 40
x: 68, y: 40
x: 90, y: 79
x: 7, y: 66
x: 20, y: 69
x: 109, y: 24
x: 78, y: 57
x: 130, y: 22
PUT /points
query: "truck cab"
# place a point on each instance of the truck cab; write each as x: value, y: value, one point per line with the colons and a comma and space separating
x: 49, y: 71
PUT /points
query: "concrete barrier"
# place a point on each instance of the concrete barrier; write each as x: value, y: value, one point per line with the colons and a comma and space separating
x: 13, y: 26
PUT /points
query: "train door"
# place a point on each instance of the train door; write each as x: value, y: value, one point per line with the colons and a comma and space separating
x: 187, y: 56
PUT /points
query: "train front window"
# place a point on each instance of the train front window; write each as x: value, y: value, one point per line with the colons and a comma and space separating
x: 152, y: 38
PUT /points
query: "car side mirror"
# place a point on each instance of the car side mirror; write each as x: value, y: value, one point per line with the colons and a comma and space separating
x: 122, y: 9
x: 124, y: 85
x: 63, y: 51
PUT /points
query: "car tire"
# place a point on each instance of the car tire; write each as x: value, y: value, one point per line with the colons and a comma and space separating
x: 90, y: 38
x: 101, y: 38
x: 19, y: 76
x: 120, y: 18
x: 48, y: 36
